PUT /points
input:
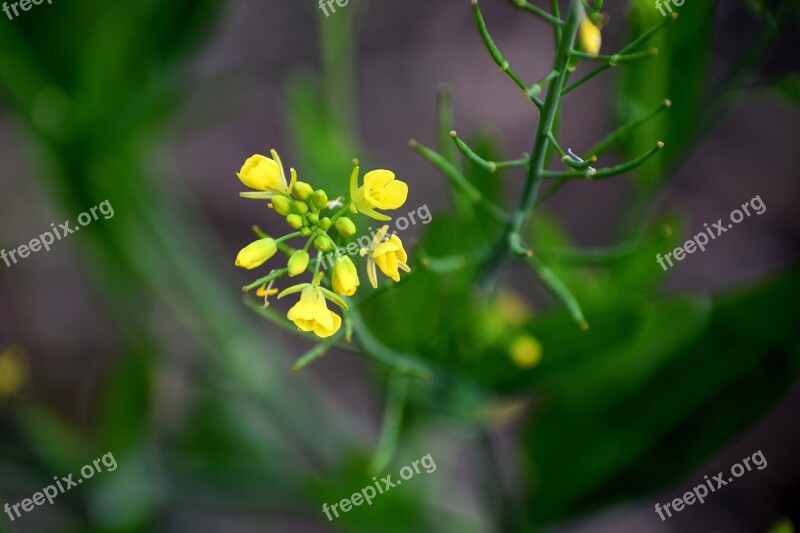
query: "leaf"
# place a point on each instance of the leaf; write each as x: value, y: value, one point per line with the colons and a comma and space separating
x: 619, y: 422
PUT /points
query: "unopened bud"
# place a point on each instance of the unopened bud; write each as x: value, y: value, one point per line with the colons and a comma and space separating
x: 301, y: 207
x: 282, y: 205
x: 325, y: 223
x: 323, y: 243
x: 302, y: 190
x: 319, y: 198
x: 345, y: 227
x: 294, y: 221
x: 298, y: 263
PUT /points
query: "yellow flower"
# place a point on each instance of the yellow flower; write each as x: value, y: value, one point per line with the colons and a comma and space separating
x: 388, y: 255
x: 591, y: 38
x: 345, y: 276
x: 266, y: 175
x: 380, y: 191
x: 311, y: 313
x: 12, y: 372
x: 256, y: 253
x: 526, y: 351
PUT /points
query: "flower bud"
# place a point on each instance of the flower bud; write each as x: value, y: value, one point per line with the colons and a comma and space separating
x: 282, y: 205
x: 319, y: 198
x: 301, y: 207
x: 298, y: 263
x: 323, y: 243
x: 325, y: 223
x: 305, y: 232
x: 313, y: 218
x: 345, y: 276
x: 302, y: 190
x: 256, y: 253
x: 346, y: 227
x: 295, y: 221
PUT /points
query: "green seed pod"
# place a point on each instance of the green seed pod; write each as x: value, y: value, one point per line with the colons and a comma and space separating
x: 301, y: 207
x: 305, y: 232
x: 346, y: 227
x: 325, y: 223
x: 294, y: 221
x: 313, y: 218
x: 319, y: 198
x: 297, y: 263
x: 282, y: 205
x: 302, y: 190
x: 323, y: 243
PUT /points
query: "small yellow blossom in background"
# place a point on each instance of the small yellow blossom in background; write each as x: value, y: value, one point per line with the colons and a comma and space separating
x: 12, y: 372
x: 388, y: 255
x: 591, y: 38
x: 525, y: 351
x: 380, y: 191
x: 345, y: 276
x: 512, y: 308
x: 266, y: 175
x: 256, y: 253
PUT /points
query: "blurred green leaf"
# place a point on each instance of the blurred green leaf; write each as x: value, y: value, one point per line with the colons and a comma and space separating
x: 610, y: 419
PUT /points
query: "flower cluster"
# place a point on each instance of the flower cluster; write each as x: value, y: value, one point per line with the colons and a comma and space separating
x: 325, y: 224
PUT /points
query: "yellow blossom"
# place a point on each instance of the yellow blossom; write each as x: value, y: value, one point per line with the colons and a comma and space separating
x: 388, y: 255
x: 526, y: 351
x: 265, y: 175
x: 591, y: 38
x: 256, y: 253
x: 380, y: 191
x: 311, y: 313
x: 12, y: 372
x: 265, y: 291
x: 345, y: 276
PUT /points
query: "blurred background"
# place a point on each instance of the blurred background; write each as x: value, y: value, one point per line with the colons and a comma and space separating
x: 131, y: 336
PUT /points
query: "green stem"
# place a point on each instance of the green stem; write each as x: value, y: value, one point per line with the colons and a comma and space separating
x: 490, y: 166
x: 541, y: 142
x: 275, y: 274
x: 497, y: 56
x: 607, y: 172
x: 623, y: 131
x: 539, y: 12
x: 554, y: 283
x: 396, y: 396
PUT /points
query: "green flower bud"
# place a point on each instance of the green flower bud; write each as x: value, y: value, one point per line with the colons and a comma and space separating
x: 313, y: 218
x: 302, y: 190
x: 325, y: 223
x: 294, y: 221
x: 346, y: 227
x: 319, y: 198
x: 323, y: 243
x: 301, y: 207
x: 282, y: 205
x: 305, y: 232
x: 298, y: 263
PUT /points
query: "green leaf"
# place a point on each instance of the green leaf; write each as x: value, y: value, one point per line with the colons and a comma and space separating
x: 610, y: 418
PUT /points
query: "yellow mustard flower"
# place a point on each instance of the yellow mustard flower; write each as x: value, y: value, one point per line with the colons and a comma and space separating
x: 266, y: 176
x: 591, y: 38
x: 525, y: 351
x: 380, y: 191
x: 311, y: 313
x: 345, y: 276
x: 12, y: 372
x: 388, y: 255
x: 256, y: 253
